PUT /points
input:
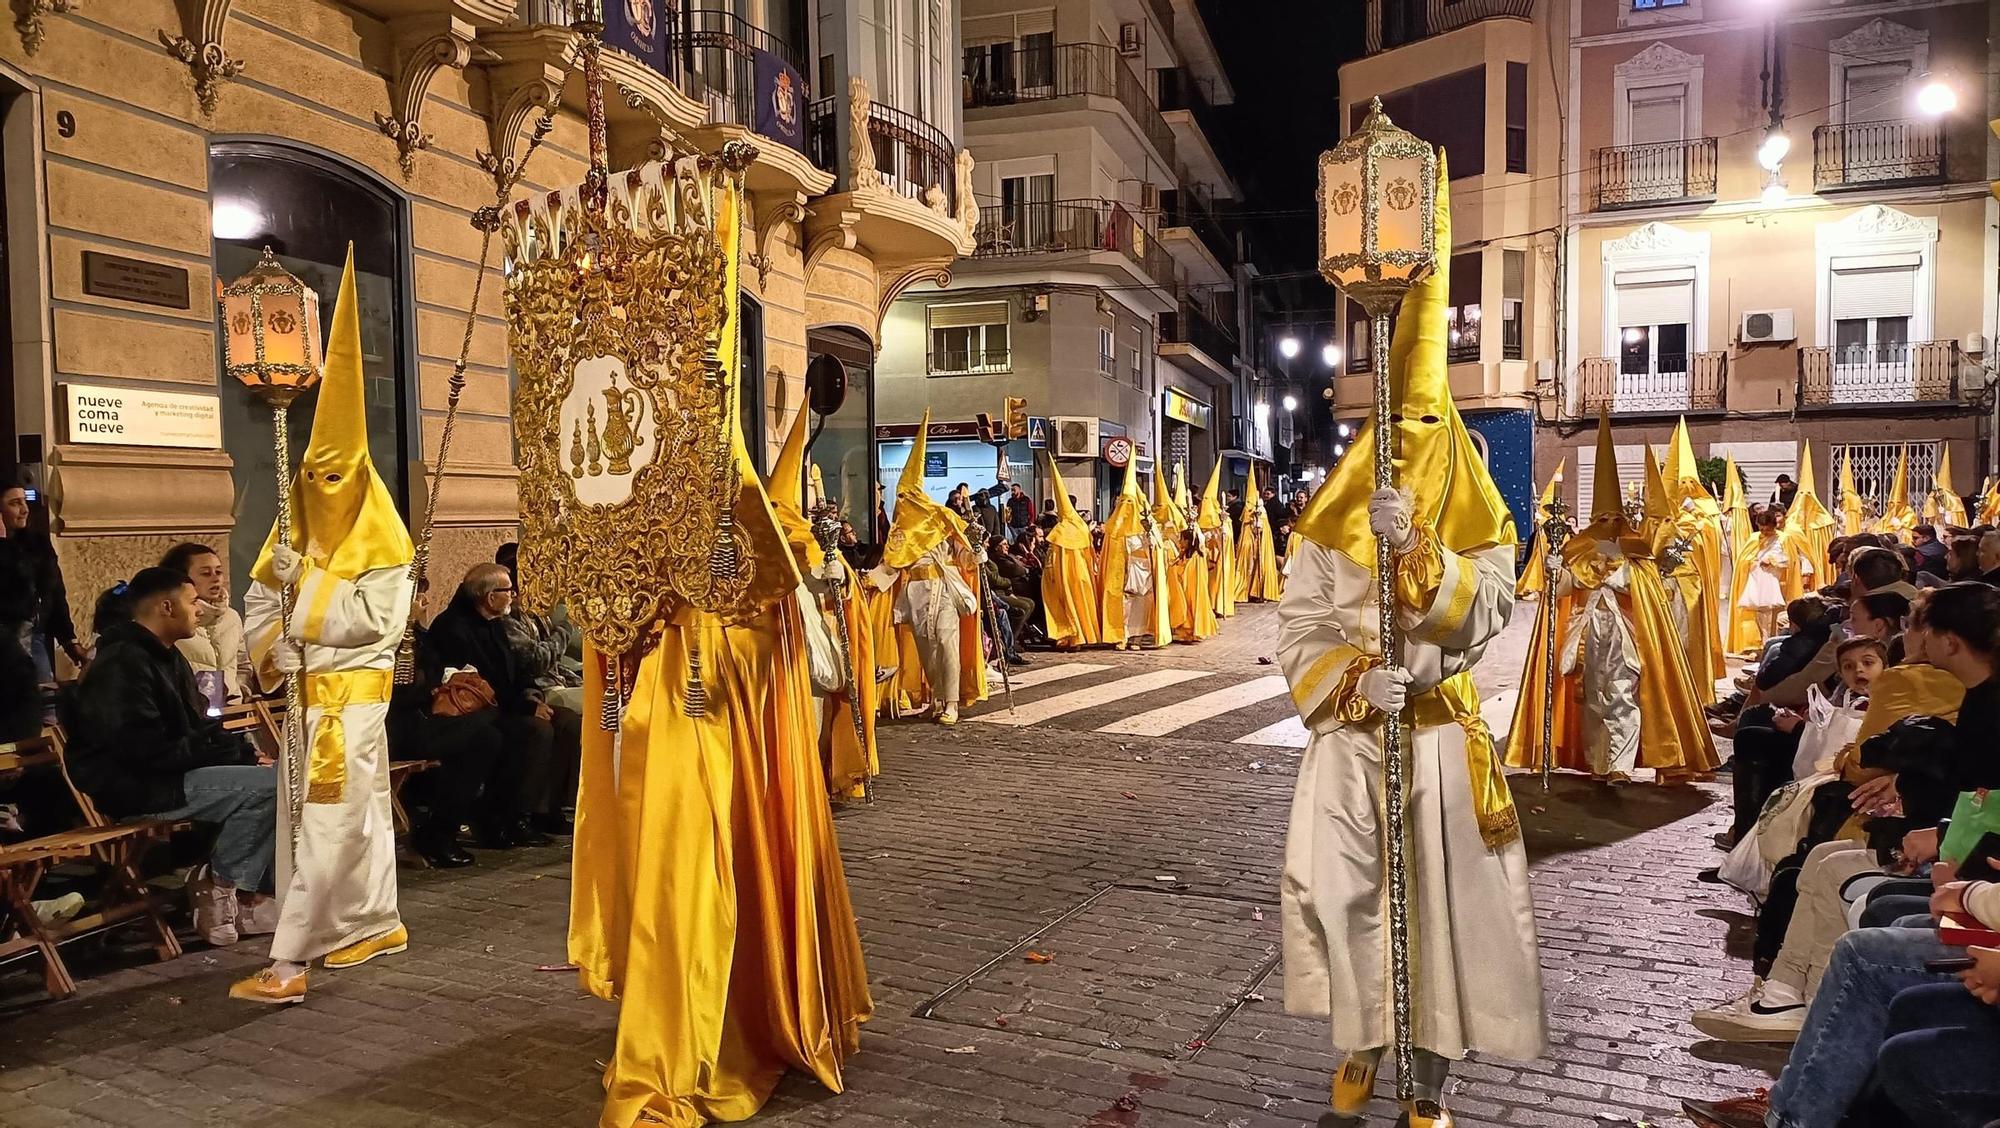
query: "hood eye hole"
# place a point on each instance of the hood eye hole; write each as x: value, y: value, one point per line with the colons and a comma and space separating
x: 1396, y: 417
x: 333, y: 477
x: 1430, y: 418
x: 310, y: 475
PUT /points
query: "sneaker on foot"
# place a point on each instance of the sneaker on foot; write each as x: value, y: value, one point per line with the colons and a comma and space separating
x: 256, y: 915
x: 213, y: 908
x: 59, y: 909
x: 1750, y: 1019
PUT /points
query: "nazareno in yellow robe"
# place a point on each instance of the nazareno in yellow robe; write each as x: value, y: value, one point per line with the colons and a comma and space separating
x: 1219, y: 543
x: 1257, y: 577
x: 1070, y: 601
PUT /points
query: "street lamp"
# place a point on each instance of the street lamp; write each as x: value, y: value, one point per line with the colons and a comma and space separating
x: 1772, y: 150
x: 1262, y: 411
x: 1377, y: 238
x: 1330, y: 355
x: 1291, y: 402
x: 1288, y: 347
x: 270, y: 342
x: 1935, y: 98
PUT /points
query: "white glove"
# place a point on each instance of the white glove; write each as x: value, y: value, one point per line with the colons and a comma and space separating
x: 830, y: 569
x: 1387, y: 688
x: 285, y: 563
x: 1389, y: 517
x: 287, y: 655
x: 979, y: 552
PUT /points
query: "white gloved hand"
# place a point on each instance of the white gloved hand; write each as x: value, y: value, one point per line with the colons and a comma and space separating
x: 1387, y: 688
x: 285, y: 563
x: 1389, y: 517
x: 288, y: 656
x: 830, y: 569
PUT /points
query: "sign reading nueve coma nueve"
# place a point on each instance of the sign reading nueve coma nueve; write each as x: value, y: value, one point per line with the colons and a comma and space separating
x: 131, y: 417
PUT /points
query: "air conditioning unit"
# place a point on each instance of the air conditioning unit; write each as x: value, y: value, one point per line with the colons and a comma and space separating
x: 1128, y: 39
x: 1149, y: 197
x: 1075, y: 437
x: 1762, y: 326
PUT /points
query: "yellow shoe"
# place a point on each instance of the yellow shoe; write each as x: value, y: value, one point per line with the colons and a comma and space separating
x: 1353, y: 1086
x: 266, y: 987
x: 360, y: 952
x: 1425, y: 1114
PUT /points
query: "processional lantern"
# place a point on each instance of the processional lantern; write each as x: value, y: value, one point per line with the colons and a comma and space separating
x: 621, y: 304
x: 1377, y: 238
x: 271, y: 342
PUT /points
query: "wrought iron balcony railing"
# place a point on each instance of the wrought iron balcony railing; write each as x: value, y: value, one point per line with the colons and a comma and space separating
x: 1913, y: 372
x: 1688, y: 382
x: 912, y: 155
x: 968, y: 362
x: 1068, y: 70
x: 1067, y: 227
x: 713, y: 58
x: 1186, y: 324
x: 1666, y: 172
x: 1877, y: 153
x: 1406, y: 21
x: 1185, y: 209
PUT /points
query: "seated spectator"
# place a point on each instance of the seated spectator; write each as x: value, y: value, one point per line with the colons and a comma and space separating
x: 1989, y: 557
x: 465, y: 744
x: 1011, y: 610
x: 216, y: 650
x: 470, y: 634
x: 1929, y: 549
x: 1764, y: 754
x: 543, y: 644
x: 143, y: 744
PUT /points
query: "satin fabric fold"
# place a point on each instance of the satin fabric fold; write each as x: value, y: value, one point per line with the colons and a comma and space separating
x: 708, y: 897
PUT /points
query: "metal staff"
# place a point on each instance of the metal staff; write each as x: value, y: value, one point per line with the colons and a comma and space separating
x: 826, y: 530
x: 1555, y: 531
x: 986, y: 623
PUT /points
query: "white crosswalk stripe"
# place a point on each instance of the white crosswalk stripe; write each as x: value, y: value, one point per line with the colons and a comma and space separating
x: 1042, y: 675
x: 1075, y: 701
x: 1288, y: 733
x: 1179, y: 715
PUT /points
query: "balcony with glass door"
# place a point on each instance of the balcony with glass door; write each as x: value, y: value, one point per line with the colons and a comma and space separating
x: 1036, y: 71
x: 1878, y: 154
x: 1197, y: 344
x: 1027, y: 231
x: 1654, y: 373
x: 1653, y: 174
x: 1872, y: 363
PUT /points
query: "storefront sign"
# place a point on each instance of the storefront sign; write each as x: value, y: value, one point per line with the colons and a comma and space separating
x: 135, y: 280
x: 781, y: 102
x: 959, y: 429
x: 937, y: 463
x: 126, y: 417
x: 1187, y: 409
x: 1118, y: 451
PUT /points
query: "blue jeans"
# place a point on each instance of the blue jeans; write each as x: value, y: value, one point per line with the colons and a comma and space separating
x: 1848, y: 1020
x: 243, y: 801
x: 1941, y: 1064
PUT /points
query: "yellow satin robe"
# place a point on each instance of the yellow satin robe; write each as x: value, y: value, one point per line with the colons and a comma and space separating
x: 1257, y: 577
x: 708, y: 897
x: 1070, y: 604
x: 851, y: 761
x: 1194, y: 606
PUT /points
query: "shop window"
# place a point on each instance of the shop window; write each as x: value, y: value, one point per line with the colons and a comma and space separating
x: 307, y: 207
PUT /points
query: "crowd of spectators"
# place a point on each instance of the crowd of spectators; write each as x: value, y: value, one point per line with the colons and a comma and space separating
x: 1879, y: 906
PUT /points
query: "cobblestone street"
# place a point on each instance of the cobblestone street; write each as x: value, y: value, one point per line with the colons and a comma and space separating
x: 1135, y: 844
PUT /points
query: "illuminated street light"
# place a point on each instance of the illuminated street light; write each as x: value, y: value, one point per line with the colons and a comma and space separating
x: 1776, y: 143
x: 1262, y: 411
x: 1330, y: 354
x: 1344, y: 430
x: 1774, y: 191
x: 1936, y: 98
x: 1288, y: 347
x: 1291, y: 403
x: 1633, y: 335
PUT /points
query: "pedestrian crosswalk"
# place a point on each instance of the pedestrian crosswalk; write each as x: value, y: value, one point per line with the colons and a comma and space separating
x: 1241, y: 708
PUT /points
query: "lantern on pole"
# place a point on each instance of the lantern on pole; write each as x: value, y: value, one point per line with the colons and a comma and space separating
x: 1377, y: 207
x: 271, y: 342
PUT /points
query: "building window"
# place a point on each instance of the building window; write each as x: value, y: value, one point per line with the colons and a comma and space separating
x: 1106, y: 352
x: 1464, y: 315
x: 307, y: 207
x: 1448, y: 111
x: 1517, y: 117
x: 1871, y: 308
x: 1658, y: 113
x: 1655, y: 5
x: 1027, y: 211
x: 1513, y: 288
x: 844, y: 450
x: 1038, y: 62
x: 1653, y: 350
x: 1358, y: 339
x: 1134, y: 336
x: 1874, y: 92
x: 969, y: 338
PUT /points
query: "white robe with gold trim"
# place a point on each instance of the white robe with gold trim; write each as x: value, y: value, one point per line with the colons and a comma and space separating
x: 340, y: 887
x: 1478, y: 975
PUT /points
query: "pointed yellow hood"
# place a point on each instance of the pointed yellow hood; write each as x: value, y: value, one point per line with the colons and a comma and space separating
x: 1683, y: 474
x: 1807, y: 513
x: 1211, y: 516
x: 1183, y: 500
x: 1551, y: 487
x: 1433, y: 453
x: 785, y: 486
x: 1166, y: 514
x: 920, y: 524
x: 1659, y: 500
x: 1071, y: 531
x: 1607, y: 497
x: 344, y: 519
x: 1125, y: 519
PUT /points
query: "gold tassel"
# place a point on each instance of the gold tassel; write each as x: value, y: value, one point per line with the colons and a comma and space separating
x: 406, y: 656
x: 696, y: 704
x: 611, y: 705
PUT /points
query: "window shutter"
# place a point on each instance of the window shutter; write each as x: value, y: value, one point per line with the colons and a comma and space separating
x: 968, y: 314
x: 1033, y: 23
x: 1656, y: 303
x: 1874, y: 292
x: 1875, y: 92
x: 1659, y: 114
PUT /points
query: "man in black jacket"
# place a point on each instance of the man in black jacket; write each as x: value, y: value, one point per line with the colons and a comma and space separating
x: 143, y: 744
x: 472, y: 633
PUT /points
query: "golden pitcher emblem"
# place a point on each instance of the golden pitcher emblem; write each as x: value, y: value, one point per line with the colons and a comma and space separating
x: 624, y: 411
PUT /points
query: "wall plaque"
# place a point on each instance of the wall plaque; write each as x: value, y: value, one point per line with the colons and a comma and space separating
x: 129, y: 417
x: 135, y: 280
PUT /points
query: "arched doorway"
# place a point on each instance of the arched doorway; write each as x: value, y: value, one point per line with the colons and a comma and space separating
x: 308, y: 207
x: 844, y: 450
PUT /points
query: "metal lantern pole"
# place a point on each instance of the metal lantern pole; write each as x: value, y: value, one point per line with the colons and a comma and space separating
x: 826, y: 530
x: 1555, y: 531
x: 1377, y: 239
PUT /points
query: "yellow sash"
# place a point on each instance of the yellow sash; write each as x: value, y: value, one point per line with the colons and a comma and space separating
x: 326, y: 771
x: 1455, y: 700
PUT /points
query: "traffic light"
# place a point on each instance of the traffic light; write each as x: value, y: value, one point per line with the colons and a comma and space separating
x: 986, y: 434
x: 1017, y: 417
